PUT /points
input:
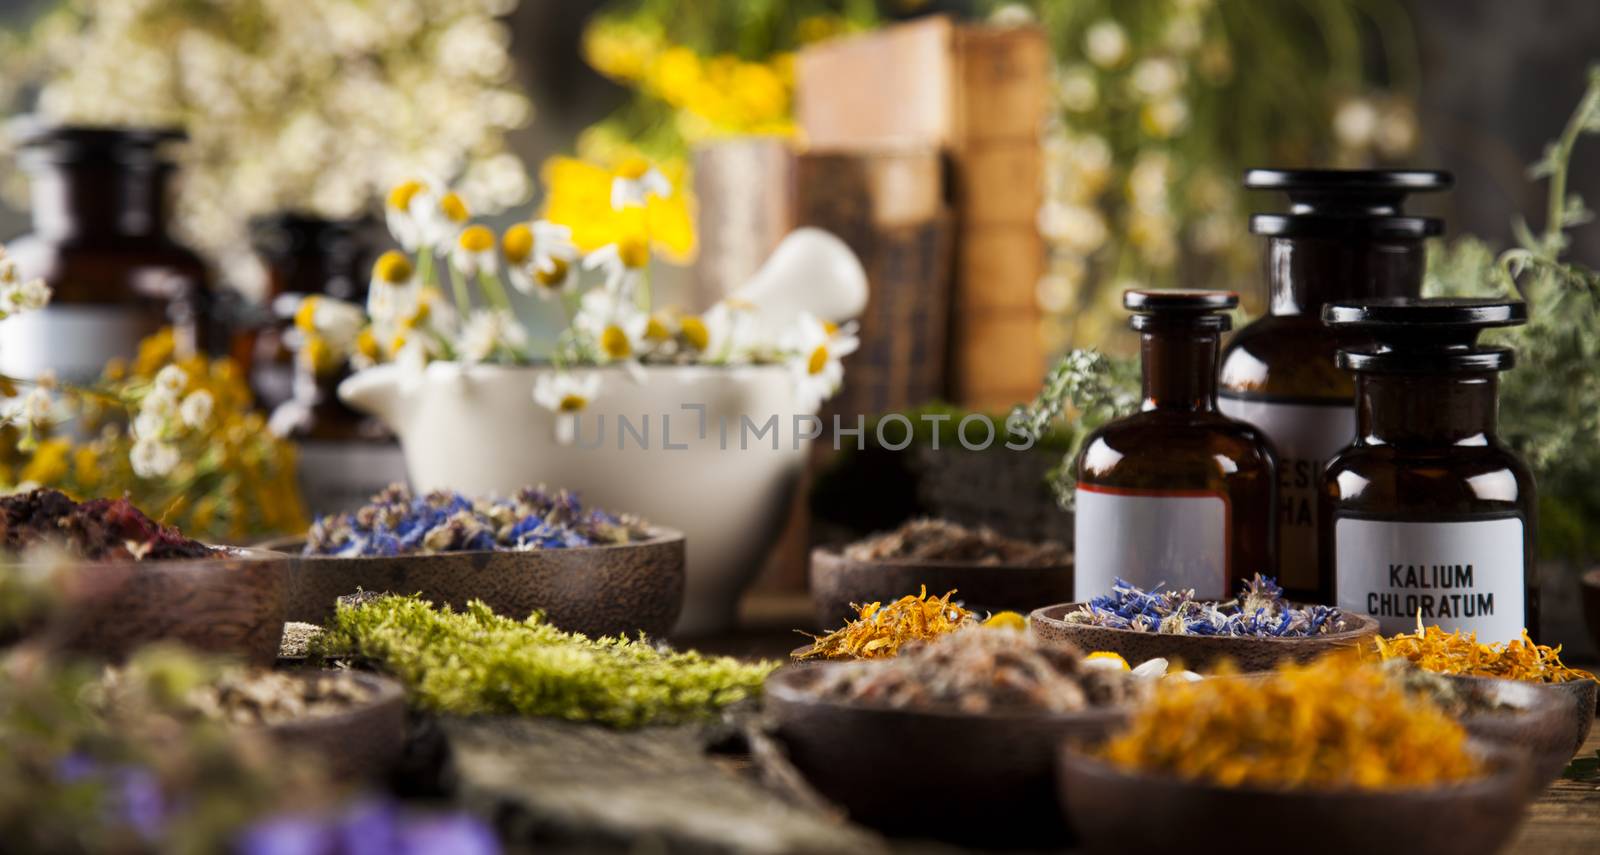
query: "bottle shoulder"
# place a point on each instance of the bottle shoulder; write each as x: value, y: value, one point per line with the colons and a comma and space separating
x: 1289, y: 356
x: 1181, y: 450
x: 1454, y: 479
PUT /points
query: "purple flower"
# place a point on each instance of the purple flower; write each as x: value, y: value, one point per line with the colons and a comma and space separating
x: 140, y: 802
x: 288, y: 834
x: 449, y: 834
x: 369, y: 828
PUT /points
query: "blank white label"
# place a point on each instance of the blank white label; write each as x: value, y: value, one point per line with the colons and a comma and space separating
x: 1459, y: 575
x: 1150, y: 539
x: 1306, y: 437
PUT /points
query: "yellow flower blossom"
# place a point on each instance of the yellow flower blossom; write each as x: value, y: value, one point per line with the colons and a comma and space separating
x: 578, y: 195
x: 49, y: 463
x: 517, y: 243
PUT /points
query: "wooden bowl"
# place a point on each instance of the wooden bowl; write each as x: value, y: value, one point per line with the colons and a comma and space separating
x: 1113, y: 810
x: 230, y: 604
x: 983, y: 780
x: 1581, y: 698
x: 1198, y: 652
x: 596, y: 590
x: 1539, y: 724
x: 361, y: 743
x: 837, y: 581
x: 1591, y: 604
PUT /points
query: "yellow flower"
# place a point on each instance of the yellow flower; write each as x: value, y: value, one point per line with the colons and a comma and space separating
x: 154, y: 352
x: 392, y: 268
x: 86, y: 466
x: 401, y: 195
x: 578, y: 195
x: 517, y: 243
x: 476, y: 238
x: 455, y: 209
x: 49, y: 463
x: 695, y: 332
x: 305, y: 315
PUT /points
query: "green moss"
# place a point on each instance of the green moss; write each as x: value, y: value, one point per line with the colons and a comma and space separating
x: 476, y: 662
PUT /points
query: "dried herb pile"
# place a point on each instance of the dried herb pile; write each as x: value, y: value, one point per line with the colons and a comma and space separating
x: 99, y: 530
x: 1334, y: 724
x: 1259, y: 610
x: 475, y: 662
x: 396, y: 522
x: 980, y: 669
x: 939, y: 540
x: 880, y: 631
x: 1433, y: 649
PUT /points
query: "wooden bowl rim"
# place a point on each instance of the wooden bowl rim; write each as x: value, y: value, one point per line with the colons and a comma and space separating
x: 1368, y: 627
x: 256, y: 554
x: 838, y: 559
x: 1506, y: 766
x: 386, y: 691
x: 786, y: 685
x: 659, y: 536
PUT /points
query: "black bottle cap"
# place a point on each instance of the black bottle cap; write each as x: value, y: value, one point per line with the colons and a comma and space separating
x: 1417, y: 336
x: 1201, y: 309
x: 1346, y: 202
x: 44, y: 141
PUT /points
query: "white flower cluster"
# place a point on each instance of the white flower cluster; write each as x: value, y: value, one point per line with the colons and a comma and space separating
x: 166, y: 413
x: 294, y: 105
x: 18, y: 296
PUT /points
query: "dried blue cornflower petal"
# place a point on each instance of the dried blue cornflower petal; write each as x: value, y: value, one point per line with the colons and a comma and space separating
x: 396, y: 522
x: 1260, y: 610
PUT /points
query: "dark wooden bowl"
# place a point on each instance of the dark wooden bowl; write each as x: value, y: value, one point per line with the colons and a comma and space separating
x: 596, y: 590
x: 837, y: 581
x: 1197, y: 652
x: 230, y: 604
x: 1118, y: 811
x: 1591, y: 604
x: 1581, y: 696
x: 361, y: 743
x: 1540, y: 724
x: 983, y: 780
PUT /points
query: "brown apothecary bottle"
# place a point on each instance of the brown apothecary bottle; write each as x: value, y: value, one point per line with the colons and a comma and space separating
x: 101, y: 242
x: 1177, y: 493
x: 1344, y: 237
x: 1428, y: 514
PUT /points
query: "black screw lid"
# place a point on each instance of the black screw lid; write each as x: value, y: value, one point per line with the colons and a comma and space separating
x: 1201, y: 309
x: 1346, y: 202
x: 41, y: 141
x: 1417, y: 336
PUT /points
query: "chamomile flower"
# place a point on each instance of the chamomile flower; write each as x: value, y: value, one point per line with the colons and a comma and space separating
x: 491, y: 333
x: 38, y: 408
x: 565, y: 392
x: 196, y: 409
x: 816, y: 367
x: 540, y: 257
x: 623, y: 262
x: 473, y: 251
x: 394, y: 291
x: 152, y: 458
x: 425, y: 215
x: 635, y: 181
x: 19, y: 297
x: 723, y: 333
x: 171, y: 379
x: 566, y: 395
x: 336, y: 321
x: 616, y: 327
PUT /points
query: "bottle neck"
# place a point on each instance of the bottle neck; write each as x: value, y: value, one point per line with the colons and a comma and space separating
x: 100, y: 198
x: 1427, y: 410
x: 1179, y: 368
x: 1306, y: 273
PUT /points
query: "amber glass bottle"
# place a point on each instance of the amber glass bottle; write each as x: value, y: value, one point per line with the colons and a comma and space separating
x: 1343, y: 238
x: 1428, y: 512
x: 1176, y: 493
x: 100, y: 241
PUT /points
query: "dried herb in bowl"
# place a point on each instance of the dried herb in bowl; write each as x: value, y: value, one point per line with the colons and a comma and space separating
x: 940, y: 540
x: 1260, y: 610
x: 1333, y: 724
x: 880, y: 631
x: 979, y: 670
x: 97, y: 530
x: 1433, y: 649
x: 396, y: 522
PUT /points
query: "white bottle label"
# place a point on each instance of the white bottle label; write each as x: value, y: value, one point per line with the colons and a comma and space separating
x: 74, y: 341
x: 1306, y: 437
x: 1459, y: 575
x: 1149, y: 538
